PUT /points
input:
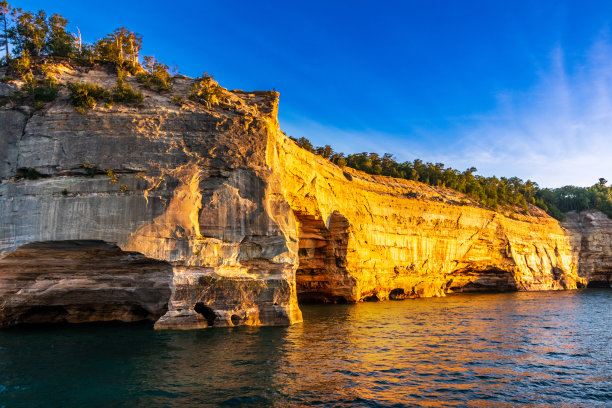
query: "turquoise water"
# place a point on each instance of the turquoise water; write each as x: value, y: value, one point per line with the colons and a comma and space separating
x: 496, y: 350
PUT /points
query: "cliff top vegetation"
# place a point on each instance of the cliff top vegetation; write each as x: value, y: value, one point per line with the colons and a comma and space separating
x: 491, y: 192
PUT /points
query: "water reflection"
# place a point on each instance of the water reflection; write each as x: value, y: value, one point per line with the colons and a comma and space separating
x: 531, y: 349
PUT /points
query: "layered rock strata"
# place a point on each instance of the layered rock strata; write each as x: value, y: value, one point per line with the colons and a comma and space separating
x: 366, y: 237
x: 247, y: 221
x: 81, y: 281
x: 183, y: 185
x: 591, y: 237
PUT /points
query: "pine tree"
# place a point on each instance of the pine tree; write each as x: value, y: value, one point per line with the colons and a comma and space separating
x: 30, y: 32
x: 156, y: 75
x: 121, y: 47
x: 7, y: 13
x: 59, y: 42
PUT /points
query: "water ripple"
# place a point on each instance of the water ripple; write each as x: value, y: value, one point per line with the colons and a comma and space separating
x: 506, y: 350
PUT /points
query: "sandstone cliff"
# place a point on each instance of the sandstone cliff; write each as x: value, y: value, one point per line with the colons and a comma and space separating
x: 364, y: 237
x: 76, y: 281
x: 183, y: 185
x: 246, y: 222
x: 591, y: 238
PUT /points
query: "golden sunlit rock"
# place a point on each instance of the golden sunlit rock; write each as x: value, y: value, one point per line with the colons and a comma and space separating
x: 366, y: 237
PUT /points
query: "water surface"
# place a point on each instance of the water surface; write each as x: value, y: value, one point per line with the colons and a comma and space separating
x: 496, y: 350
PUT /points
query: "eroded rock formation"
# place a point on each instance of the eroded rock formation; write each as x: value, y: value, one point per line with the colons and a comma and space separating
x: 81, y: 281
x: 247, y: 221
x: 184, y: 185
x: 591, y: 237
x: 366, y: 237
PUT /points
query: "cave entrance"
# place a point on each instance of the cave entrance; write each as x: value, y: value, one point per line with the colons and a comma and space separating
x: 208, y: 313
x: 81, y: 281
x: 482, y: 280
x: 600, y: 277
x: 321, y: 273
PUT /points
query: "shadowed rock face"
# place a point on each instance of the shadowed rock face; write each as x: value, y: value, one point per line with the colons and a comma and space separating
x: 321, y: 275
x: 247, y: 221
x: 81, y: 281
x: 591, y: 233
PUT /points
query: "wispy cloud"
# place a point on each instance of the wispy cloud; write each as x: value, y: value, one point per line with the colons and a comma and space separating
x: 558, y: 132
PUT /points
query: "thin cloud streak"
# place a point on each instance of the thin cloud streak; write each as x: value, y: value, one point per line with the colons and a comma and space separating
x: 558, y: 133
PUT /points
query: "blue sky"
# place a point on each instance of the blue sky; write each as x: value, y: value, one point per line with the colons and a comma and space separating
x: 521, y: 88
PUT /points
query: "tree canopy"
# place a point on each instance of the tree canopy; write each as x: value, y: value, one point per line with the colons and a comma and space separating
x: 120, y: 47
x: 7, y: 15
x: 34, y: 35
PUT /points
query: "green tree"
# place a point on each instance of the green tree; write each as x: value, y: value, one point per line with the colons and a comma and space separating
x: 305, y: 144
x: 156, y: 75
x: 120, y: 47
x: 206, y: 91
x: 23, y: 64
x: 59, y: 41
x: 123, y: 92
x: 30, y: 33
x: 492, y: 192
x: 327, y: 151
x: 7, y: 15
x: 86, y: 54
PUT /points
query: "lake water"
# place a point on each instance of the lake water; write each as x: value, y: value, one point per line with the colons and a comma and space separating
x: 495, y: 350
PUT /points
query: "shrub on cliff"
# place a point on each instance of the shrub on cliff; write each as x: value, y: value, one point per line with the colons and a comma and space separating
x: 30, y: 173
x: 156, y: 75
x: 21, y: 65
x: 84, y: 95
x: 177, y: 100
x: 37, y: 92
x: 124, y: 93
x: 42, y: 91
x: 206, y: 91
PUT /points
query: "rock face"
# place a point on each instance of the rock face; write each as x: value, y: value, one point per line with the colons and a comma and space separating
x: 184, y: 185
x: 365, y: 237
x: 247, y: 222
x: 591, y: 236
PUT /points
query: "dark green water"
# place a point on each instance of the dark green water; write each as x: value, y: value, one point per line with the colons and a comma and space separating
x: 504, y: 350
